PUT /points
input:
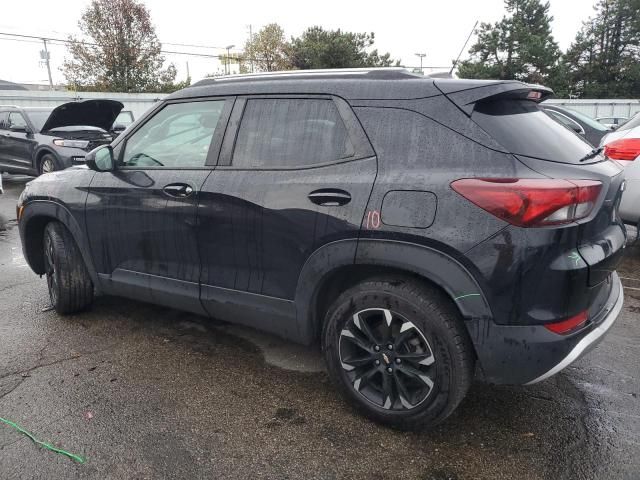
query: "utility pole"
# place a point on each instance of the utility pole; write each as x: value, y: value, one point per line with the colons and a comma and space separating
x: 46, y: 60
x: 251, y: 40
x: 227, y: 69
x: 421, y: 55
x: 188, y: 74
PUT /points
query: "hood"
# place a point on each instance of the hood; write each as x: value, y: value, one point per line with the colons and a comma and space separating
x: 94, y: 113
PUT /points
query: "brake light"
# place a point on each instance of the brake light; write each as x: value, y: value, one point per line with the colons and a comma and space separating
x: 531, y: 202
x: 627, y: 149
x: 568, y: 325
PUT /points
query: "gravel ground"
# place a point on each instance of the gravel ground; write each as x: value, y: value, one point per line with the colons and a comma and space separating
x: 147, y: 392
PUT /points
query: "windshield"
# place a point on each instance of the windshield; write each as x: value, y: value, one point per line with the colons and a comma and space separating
x: 592, y: 122
x: 634, y: 122
x: 38, y: 117
x: 523, y: 129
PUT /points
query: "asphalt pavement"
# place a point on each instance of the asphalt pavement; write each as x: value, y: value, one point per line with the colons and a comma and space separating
x: 147, y: 392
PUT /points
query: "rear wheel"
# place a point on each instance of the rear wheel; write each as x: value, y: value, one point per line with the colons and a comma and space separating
x: 70, y: 286
x: 399, y: 352
x: 47, y: 164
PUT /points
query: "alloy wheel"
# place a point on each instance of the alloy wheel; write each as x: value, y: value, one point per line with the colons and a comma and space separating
x: 387, y: 359
x: 47, y: 165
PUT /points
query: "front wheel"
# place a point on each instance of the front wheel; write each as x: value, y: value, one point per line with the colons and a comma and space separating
x: 399, y: 352
x: 47, y: 164
x: 70, y: 286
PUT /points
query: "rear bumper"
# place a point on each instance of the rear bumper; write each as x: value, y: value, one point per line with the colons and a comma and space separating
x: 529, y: 354
x: 589, y: 341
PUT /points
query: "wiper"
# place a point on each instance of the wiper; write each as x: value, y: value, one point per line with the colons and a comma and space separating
x: 593, y: 153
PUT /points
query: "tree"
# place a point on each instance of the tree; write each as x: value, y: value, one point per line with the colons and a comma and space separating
x: 319, y: 48
x: 119, y: 51
x: 267, y: 50
x: 604, y: 58
x: 519, y: 47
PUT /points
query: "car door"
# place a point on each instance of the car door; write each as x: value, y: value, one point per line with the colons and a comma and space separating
x: 19, y: 142
x: 142, y: 217
x: 295, y: 173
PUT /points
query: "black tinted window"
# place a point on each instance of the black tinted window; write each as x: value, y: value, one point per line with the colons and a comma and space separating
x: 290, y: 133
x: 3, y: 121
x: 522, y: 128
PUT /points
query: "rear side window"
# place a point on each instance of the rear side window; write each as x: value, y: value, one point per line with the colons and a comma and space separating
x: 290, y: 133
x: 523, y: 129
x: 3, y: 121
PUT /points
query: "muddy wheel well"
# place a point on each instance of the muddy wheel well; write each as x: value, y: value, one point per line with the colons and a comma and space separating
x: 34, y: 242
x: 348, y: 276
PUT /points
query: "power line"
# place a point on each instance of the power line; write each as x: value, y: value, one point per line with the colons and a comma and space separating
x: 33, y: 38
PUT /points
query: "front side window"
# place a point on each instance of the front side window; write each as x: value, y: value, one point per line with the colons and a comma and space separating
x: 16, y: 120
x: 290, y: 132
x: 178, y: 136
x: 3, y: 121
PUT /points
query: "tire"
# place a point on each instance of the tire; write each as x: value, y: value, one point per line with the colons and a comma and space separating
x: 430, y: 367
x: 70, y: 286
x: 47, y: 164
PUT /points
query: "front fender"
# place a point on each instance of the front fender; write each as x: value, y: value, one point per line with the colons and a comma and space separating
x: 37, y: 211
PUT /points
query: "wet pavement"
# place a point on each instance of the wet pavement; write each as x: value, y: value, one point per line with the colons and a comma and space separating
x: 148, y: 392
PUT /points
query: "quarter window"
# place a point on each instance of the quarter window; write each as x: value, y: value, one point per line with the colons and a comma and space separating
x: 290, y: 133
x: 178, y: 136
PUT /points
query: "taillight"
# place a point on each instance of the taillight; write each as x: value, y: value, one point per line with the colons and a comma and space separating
x: 531, y: 202
x: 568, y: 325
x: 627, y: 149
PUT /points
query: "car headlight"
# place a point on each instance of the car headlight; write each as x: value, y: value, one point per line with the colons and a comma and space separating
x: 71, y: 143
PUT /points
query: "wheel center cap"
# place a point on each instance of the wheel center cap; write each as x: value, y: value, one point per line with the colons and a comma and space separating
x: 386, y: 358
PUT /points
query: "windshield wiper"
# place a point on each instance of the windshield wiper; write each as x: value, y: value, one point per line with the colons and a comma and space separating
x: 593, y: 153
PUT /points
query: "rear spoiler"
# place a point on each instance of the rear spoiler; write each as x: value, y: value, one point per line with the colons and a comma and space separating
x: 467, y: 93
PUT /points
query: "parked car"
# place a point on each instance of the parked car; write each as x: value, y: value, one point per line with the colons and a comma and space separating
x: 421, y: 230
x: 623, y: 146
x: 38, y: 140
x: 579, y: 123
x: 612, y: 122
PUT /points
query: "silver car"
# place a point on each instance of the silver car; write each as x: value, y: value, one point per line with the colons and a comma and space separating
x: 623, y: 146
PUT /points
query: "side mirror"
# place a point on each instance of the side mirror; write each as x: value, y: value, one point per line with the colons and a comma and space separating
x: 101, y: 159
x: 118, y: 127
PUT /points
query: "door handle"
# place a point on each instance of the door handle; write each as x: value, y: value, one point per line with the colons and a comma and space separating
x: 178, y: 190
x: 330, y: 197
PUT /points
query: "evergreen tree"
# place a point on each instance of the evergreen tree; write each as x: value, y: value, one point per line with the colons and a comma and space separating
x: 518, y: 47
x: 604, y: 59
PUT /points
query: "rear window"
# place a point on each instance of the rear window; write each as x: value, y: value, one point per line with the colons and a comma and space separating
x: 523, y: 129
x: 633, y: 123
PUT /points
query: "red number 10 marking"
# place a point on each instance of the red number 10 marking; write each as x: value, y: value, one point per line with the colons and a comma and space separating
x: 373, y: 220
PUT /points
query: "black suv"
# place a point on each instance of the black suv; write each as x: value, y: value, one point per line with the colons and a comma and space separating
x: 40, y: 140
x: 422, y: 230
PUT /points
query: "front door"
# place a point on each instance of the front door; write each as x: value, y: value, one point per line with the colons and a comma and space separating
x: 143, y: 215
x: 18, y: 143
x: 295, y: 173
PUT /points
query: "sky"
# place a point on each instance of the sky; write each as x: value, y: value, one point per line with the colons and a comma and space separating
x: 403, y: 28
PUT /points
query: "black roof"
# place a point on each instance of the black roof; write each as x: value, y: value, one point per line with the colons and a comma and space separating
x: 356, y: 84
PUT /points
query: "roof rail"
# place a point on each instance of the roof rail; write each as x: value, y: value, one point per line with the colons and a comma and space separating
x: 400, y: 71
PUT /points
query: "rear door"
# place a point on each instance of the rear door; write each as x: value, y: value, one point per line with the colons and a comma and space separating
x: 295, y: 173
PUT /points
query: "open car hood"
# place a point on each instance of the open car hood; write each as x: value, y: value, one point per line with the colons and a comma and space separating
x: 94, y: 113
